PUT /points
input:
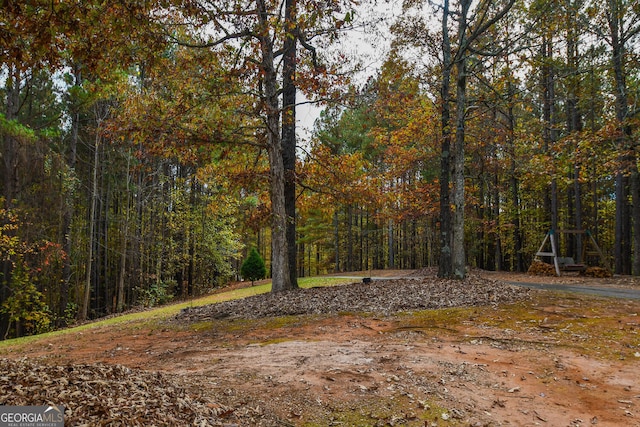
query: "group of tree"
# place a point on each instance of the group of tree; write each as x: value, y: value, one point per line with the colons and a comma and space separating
x: 539, y: 133
x: 147, y: 145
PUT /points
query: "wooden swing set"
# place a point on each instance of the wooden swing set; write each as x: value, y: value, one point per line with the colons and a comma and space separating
x: 567, y: 263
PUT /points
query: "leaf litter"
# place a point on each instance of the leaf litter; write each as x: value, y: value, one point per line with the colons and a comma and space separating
x: 115, y: 395
x: 218, y: 385
x: 382, y: 297
x: 104, y: 394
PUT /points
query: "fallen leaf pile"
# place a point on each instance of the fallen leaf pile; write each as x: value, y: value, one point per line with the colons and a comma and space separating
x: 383, y: 297
x: 597, y: 272
x: 539, y: 268
x: 100, y: 394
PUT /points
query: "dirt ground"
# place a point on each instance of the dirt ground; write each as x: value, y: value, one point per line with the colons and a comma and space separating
x: 557, y: 360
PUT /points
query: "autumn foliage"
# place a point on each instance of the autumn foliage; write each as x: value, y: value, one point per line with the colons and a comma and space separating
x: 144, y: 143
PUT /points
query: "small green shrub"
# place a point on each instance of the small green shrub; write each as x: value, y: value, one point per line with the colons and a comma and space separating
x: 25, y: 307
x: 253, y: 267
x: 158, y: 293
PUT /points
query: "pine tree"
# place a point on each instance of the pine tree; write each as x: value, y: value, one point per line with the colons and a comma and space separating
x: 253, y: 267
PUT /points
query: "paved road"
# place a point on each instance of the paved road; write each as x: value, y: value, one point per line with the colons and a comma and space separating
x: 621, y: 293
x: 604, y: 292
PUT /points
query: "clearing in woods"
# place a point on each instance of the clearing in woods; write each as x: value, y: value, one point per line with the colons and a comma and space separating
x: 513, y: 357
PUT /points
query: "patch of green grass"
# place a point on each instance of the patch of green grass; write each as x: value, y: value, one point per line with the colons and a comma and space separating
x: 445, y: 318
x: 152, y: 317
x: 586, y: 324
x: 314, y: 282
x: 272, y: 326
x: 285, y: 321
x: 399, y: 410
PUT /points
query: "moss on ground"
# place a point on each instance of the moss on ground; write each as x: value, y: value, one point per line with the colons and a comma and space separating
x: 400, y: 411
x: 594, y: 326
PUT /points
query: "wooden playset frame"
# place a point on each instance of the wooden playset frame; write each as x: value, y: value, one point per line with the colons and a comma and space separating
x: 565, y: 263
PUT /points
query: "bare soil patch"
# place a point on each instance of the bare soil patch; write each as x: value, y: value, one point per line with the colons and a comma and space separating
x: 479, y: 353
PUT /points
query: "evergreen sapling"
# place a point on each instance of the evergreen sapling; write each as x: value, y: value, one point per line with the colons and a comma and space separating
x: 253, y: 267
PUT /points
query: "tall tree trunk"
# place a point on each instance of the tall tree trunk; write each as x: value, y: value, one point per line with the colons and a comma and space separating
x: 289, y: 131
x: 84, y: 311
x: 9, y: 177
x: 349, y: 232
x: 498, y: 258
x: 635, y: 212
x: 120, y: 296
x: 549, y: 117
x: 628, y: 168
x: 514, y: 185
x: 413, y: 248
x: 481, y: 244
x: 280, y: 273
x: 360, y: 240
x: 302, y: 250
x: 367, y: 242
x: 391, y: 243
x: 445, y: 265
x: 592, y: 165
x: 574, y: 121
x: 191, y: 236
x: 336, y: 242
x: 459, y: 259
x: 101, y: 251
x: 68, y: 205
x: 10, y: 149
x: 138, y: 259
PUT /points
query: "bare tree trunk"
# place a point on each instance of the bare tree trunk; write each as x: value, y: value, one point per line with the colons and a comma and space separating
x: 349, y: 232
x: 459, y: 258
x: 574, y: 122
x: 445, y: 265
x: 413, y: 249
x: 336, y: 242
x: 289, y: 131
x: 68, y: 205
x: 498, y: 258
x: 9, y: 178
x: 628, y: 164
x: 360, y: 240
x: 549, y: 117
x: 191, y: 238
x: 367, y: 242
x: 635, y: 212
x: 515, y: 186
x: 280, y: 273
x: 392, y: 244
x: 553, y: 137
x: 92, y: 224
x: 10, y: 149
x: 302, y: 250
x: 120, y: 298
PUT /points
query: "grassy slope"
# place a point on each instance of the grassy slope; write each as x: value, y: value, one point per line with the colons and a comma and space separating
x: 591, y: 324
x: 166, y: 311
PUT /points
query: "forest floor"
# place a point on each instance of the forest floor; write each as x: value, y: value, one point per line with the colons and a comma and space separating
x: 421, y: 352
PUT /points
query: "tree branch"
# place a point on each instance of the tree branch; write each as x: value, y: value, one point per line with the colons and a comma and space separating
x: 230, y: 36
x: 309, y: 47
x: 482, y: 28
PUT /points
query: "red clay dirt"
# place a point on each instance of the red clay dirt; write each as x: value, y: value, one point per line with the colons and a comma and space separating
x: 558, y: 360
